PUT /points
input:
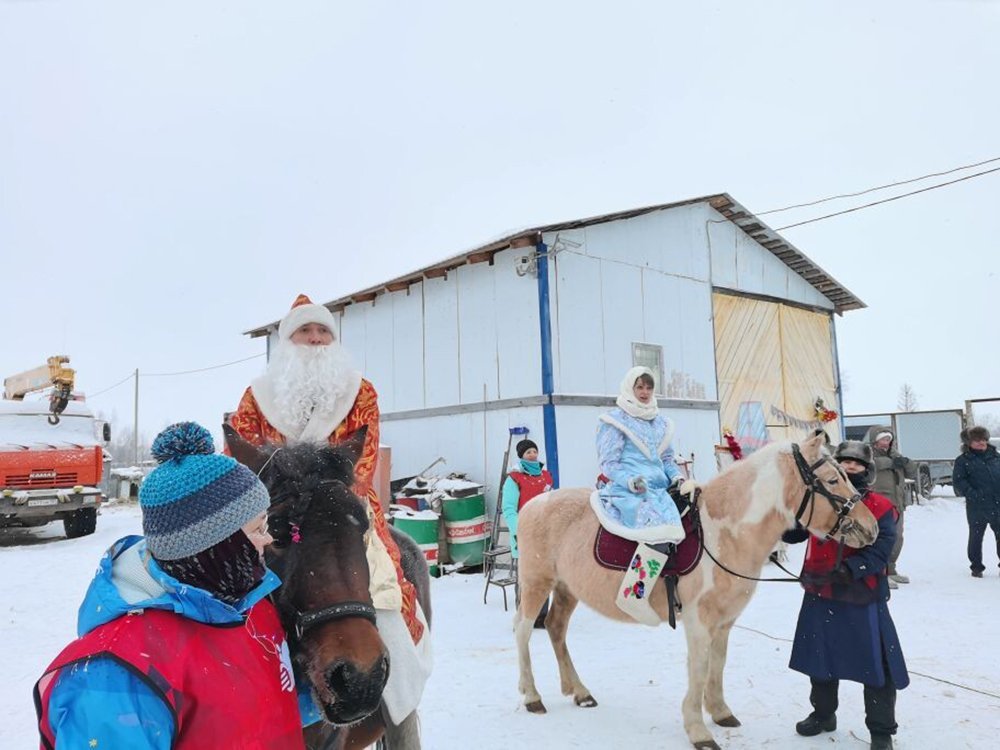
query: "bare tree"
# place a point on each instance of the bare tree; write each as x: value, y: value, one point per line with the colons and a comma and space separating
x: 907, y: 398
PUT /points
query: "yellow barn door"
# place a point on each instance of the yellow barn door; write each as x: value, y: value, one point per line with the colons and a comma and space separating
x: 773, y: 361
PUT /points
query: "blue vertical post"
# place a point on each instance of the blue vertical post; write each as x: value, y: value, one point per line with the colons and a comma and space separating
x: 545, y: 329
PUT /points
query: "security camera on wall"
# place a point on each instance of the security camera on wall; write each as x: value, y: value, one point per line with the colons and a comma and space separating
x: 524, y: 265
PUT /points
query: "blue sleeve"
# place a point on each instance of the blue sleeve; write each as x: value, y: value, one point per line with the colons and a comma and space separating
x: 670, y: 467
x: 510, y: 494
x: 103, y: 704
x: 874, y: 558
x: 610, y: 444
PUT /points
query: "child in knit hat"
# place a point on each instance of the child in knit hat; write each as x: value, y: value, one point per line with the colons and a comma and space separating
x: 525, y: 481
x: 179, y: 645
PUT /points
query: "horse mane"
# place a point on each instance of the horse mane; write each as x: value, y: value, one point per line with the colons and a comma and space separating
x: 294, y: 473
x: 764, y: 454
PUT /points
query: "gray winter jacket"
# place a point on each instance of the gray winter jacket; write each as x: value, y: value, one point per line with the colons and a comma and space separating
x: 891, y: 471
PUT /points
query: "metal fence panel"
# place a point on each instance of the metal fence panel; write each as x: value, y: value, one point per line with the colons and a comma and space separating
x: 929, y: 435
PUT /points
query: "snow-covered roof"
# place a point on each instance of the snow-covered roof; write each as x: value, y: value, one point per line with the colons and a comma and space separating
x: 842, y: 298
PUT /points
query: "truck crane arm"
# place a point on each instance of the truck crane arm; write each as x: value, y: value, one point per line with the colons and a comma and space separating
x: 55, y: 374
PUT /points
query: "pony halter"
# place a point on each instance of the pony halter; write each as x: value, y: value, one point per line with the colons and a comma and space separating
x: 814, y: 486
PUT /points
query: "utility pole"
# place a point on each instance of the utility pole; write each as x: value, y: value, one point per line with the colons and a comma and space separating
x: 135, y: 420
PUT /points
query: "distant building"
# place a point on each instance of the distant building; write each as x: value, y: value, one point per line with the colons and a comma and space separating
x: 538, y: 327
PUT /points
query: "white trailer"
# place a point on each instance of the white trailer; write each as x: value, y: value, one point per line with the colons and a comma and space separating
x: 931, y: 438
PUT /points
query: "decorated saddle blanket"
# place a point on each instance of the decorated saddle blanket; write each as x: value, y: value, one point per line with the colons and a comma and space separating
x: 615, y: 552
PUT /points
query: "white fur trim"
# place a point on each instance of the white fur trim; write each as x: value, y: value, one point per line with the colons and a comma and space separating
x: 320, y: 425
x: 667, y: 436
x: 299, y: 316
x: 608, y: 419
x: 650, y: 534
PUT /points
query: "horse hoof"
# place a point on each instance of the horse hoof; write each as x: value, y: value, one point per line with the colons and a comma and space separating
x: 535, y: 707
x: 587, y: 701
x: 728, y: 721
x: 707, y: 745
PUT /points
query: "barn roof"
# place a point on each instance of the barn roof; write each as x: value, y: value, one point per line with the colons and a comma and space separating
x: 842, y: 298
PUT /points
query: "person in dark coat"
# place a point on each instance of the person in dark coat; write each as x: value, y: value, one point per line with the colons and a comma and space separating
x: 976, y: 477
x: 844, y: 630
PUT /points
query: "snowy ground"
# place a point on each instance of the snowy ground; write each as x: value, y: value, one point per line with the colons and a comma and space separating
x: 948, y: 625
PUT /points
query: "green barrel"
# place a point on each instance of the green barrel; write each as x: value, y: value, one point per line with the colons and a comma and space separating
x: 465, y: 529
x: 421, y: 527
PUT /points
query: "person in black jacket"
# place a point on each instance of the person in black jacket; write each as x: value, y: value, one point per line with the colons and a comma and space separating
x: 977, y: 478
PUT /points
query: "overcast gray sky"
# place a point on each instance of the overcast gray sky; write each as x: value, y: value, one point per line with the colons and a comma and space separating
x: 172, y: 174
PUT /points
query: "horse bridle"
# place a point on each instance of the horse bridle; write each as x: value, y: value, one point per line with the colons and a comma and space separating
x: 303, y: 621
x: 814, y: 486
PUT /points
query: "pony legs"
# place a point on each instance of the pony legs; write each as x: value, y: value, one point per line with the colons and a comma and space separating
x: 715, y: 702
x: 698, y: 643
x: 557, y: 623
x: 532, y: 596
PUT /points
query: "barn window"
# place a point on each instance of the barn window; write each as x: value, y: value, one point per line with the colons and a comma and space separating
x: 651, y: 356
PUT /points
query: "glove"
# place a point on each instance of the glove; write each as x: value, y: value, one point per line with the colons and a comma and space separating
x: 637, y: 485
x: 841, y: 575
x: 688, y: 486
x: 899, y: 462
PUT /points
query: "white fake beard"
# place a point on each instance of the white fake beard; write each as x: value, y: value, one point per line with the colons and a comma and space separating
x: 307, y: 379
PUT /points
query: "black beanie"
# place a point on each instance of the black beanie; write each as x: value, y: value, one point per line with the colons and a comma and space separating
x: 523, y: 446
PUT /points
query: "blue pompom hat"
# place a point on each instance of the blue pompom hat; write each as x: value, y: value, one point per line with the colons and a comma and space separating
x: 195, y: 498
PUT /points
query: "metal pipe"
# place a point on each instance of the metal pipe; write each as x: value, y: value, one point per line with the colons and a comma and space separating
x: 545, y: 330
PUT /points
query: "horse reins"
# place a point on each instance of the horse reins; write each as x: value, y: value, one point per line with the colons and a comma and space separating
x: 814, y: 487
x: 303, y: 621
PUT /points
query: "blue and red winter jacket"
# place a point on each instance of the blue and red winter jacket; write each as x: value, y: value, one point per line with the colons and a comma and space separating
x: 177, y: 669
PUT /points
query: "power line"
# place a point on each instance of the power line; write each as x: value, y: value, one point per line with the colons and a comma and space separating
x: 112, y: 387
x: 887, y: 200
x: 919, y: 674
x: 879, y: 187
x: 200, y: 369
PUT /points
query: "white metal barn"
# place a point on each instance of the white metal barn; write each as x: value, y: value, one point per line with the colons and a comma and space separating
x: 538, y: 328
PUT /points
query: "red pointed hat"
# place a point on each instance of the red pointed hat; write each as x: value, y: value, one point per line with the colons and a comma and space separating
x: 303, y: 311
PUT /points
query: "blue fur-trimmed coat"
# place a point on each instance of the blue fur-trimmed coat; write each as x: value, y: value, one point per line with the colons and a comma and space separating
x: 838, y: 640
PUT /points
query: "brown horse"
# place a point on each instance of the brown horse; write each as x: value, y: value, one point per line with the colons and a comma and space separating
x: 319, y: 529
x: 743, y: 513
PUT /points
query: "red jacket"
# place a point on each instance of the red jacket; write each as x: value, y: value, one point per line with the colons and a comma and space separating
x: 823, y: 556
x: 228, y: 687
x: 530, y: 486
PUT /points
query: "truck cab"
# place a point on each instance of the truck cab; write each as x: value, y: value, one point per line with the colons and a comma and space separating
x: 48, y: 471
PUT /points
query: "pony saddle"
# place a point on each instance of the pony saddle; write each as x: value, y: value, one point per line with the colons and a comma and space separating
x: 616, y: 552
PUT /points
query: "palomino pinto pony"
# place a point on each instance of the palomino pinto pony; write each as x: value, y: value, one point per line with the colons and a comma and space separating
x: 319, y: 529
x: 743, y: 513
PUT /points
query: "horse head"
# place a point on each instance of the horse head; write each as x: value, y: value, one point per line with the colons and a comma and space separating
x: 830, y: 506
x: 319, y: 551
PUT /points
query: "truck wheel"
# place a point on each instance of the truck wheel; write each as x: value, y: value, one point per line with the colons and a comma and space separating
x: 925, y: 484
x: 81, y: 523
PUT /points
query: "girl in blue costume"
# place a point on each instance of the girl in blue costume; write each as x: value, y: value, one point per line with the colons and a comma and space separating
x: 634, y: 447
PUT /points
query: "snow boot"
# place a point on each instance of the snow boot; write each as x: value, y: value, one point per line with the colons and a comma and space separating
x: 899, y: 578
x: 813, y: 724
x: 881, y: 742
x: 977, y: 574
